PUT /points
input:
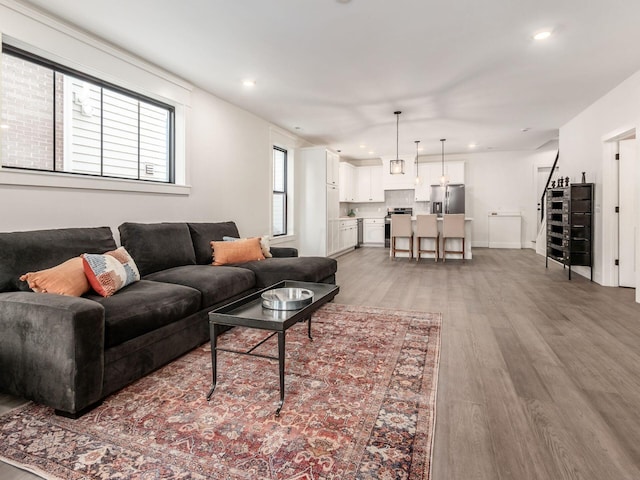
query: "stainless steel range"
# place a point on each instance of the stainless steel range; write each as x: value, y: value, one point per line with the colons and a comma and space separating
x: 387, y: 221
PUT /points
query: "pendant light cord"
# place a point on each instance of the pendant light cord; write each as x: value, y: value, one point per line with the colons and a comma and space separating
x: 397, y: 134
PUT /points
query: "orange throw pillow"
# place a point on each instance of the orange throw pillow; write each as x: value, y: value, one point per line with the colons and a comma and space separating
x: 68, y: 278
x: 238, y: 251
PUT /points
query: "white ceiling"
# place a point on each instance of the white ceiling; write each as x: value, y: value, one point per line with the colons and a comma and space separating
x: 334, y: 71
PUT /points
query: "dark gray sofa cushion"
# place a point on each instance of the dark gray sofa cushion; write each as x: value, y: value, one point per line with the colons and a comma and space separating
x: 22, y: 252
x: 202, y: 234
x: 279, y: 252
x: 215, y: 283
x: 144, y: 306
x: 302, y: 269
x: 157, y: 246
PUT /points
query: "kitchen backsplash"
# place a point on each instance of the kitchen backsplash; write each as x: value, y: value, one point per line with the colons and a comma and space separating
x: 392, y: 199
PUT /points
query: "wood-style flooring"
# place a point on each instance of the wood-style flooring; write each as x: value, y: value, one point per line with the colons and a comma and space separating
x: 539, y: 375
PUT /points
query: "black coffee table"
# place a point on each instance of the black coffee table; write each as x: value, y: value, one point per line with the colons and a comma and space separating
x: 249, y: 312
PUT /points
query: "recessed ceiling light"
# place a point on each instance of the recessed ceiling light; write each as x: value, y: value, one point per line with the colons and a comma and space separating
x: 363, y: 146
x: 249, y: 82
x: 371, y: 152
x: 4, y: 126
x: 473, y: 145
x: 543, y: 35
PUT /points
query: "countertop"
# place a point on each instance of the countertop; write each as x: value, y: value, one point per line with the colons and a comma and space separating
x: 413, y: 217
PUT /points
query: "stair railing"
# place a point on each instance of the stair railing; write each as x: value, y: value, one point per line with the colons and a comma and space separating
x: 544, y: 192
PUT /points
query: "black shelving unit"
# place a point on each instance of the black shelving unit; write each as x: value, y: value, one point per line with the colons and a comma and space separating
x: 570, y: 225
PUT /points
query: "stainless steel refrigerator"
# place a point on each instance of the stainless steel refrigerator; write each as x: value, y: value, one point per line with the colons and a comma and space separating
x: 447, y: 199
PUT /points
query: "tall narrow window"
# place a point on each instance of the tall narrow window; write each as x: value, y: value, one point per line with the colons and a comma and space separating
x: 59, y: 120
x: 279, y: 191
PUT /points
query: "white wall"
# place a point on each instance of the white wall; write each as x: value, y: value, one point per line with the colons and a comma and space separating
x: 584, y: 147
x: 227, y: 152
x: 230, y: 158
x: 503, y: 182
x: 229, y: 167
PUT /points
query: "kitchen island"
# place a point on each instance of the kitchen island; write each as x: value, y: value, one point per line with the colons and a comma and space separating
x: 453, y: 244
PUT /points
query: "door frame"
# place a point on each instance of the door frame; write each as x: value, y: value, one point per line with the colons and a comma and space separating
x: 623, y: 176
x: 610, y: 196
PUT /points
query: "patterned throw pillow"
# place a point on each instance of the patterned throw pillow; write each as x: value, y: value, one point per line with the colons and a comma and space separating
x: 111, y: 271
x: 65, y: 279
x: 264, y: 245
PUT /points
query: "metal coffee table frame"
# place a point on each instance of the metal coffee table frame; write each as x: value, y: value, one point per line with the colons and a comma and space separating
x: 249, y: 312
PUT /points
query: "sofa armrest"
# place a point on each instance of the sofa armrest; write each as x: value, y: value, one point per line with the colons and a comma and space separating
x: 52, y: 349
x: 280, y: 252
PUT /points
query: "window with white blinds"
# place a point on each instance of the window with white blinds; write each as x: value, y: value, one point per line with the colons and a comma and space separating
x: 57, y: 120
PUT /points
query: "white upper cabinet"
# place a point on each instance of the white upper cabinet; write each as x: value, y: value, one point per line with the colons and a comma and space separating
x: 369, y: 184
x: 347, y: 185
x: 431, y: 172
x: 333, y: 167
x: 455, y: 171
x: 423, y: 189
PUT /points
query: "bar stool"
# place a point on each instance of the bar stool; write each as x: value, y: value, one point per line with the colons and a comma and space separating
x: 427, y: 227
x: 401, y: 227
x: 452, y: 227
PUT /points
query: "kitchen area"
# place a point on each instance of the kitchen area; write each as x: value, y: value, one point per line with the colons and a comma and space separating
x: 375, y: 230
x: 358, y: 200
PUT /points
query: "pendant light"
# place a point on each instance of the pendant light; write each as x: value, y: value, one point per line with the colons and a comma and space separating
x: 417, y: 170
x: 397, y: 166
x: 443, y: 179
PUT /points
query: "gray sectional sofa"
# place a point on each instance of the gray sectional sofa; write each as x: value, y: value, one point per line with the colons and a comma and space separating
x: 71, y: 352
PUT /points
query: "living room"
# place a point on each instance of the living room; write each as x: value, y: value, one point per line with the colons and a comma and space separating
x: 223, y: 170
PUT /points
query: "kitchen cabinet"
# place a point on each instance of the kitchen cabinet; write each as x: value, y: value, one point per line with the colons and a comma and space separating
x: 333, y: 221
x: 430, y: 174
x: 347, y: 182
x: 348, y: 234
x: 455, y: 171
x: 404, y: 181
x: 423, y: 189
x: 373, y: 232
x: 369, y: 184
x: 333, y: 167
x: 319, y: 212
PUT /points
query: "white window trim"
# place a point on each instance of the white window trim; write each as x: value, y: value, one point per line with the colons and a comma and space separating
x: 273, y: 241
x: 107, y: 63
x: 34, y: 178
x: 283, y: 139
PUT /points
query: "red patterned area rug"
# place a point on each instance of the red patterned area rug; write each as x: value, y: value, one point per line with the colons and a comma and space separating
x: 359, y: 404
